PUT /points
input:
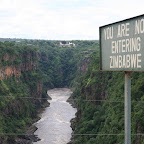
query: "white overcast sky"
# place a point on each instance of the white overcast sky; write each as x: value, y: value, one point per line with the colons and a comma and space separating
x: 63, y: 19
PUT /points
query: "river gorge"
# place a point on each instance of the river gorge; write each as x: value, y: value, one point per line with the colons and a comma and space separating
x: 54, y: 125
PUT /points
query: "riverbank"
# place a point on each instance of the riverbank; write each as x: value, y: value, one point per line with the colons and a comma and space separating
x: 73, y: 102
x: 30, y: 137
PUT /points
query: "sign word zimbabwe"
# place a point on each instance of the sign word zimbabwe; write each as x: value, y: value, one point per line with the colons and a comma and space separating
x: 122, y: 45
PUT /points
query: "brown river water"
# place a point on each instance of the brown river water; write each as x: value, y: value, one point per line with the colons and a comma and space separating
x: 54, y: 125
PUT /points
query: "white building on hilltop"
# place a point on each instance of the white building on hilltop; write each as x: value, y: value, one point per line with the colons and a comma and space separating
x: 67, y: 44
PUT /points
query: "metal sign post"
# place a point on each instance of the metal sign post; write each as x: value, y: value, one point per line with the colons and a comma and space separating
x: 127, y: 107
x: 122, y: 49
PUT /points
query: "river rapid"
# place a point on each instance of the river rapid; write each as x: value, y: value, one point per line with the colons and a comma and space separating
x: 54, y: 125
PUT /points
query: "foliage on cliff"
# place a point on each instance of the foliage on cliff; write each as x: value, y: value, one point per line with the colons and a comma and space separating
x: 61, y: 65
x: 20, y: 85
x: 100, y: 102
x: 27, y: 70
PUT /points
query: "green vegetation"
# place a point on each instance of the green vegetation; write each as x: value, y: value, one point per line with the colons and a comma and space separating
x: 103, y: 115
x: 27, y: 69
x: 60, y: 64
x: 19, y: 80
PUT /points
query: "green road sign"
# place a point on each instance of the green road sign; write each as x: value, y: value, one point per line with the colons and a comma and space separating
x: 122, y: 45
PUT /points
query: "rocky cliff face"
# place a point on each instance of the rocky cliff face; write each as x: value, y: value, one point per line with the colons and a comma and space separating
x: 84, y: 66
x: 16, y: 70
x: 84, y: 61
x: 21, y: 88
